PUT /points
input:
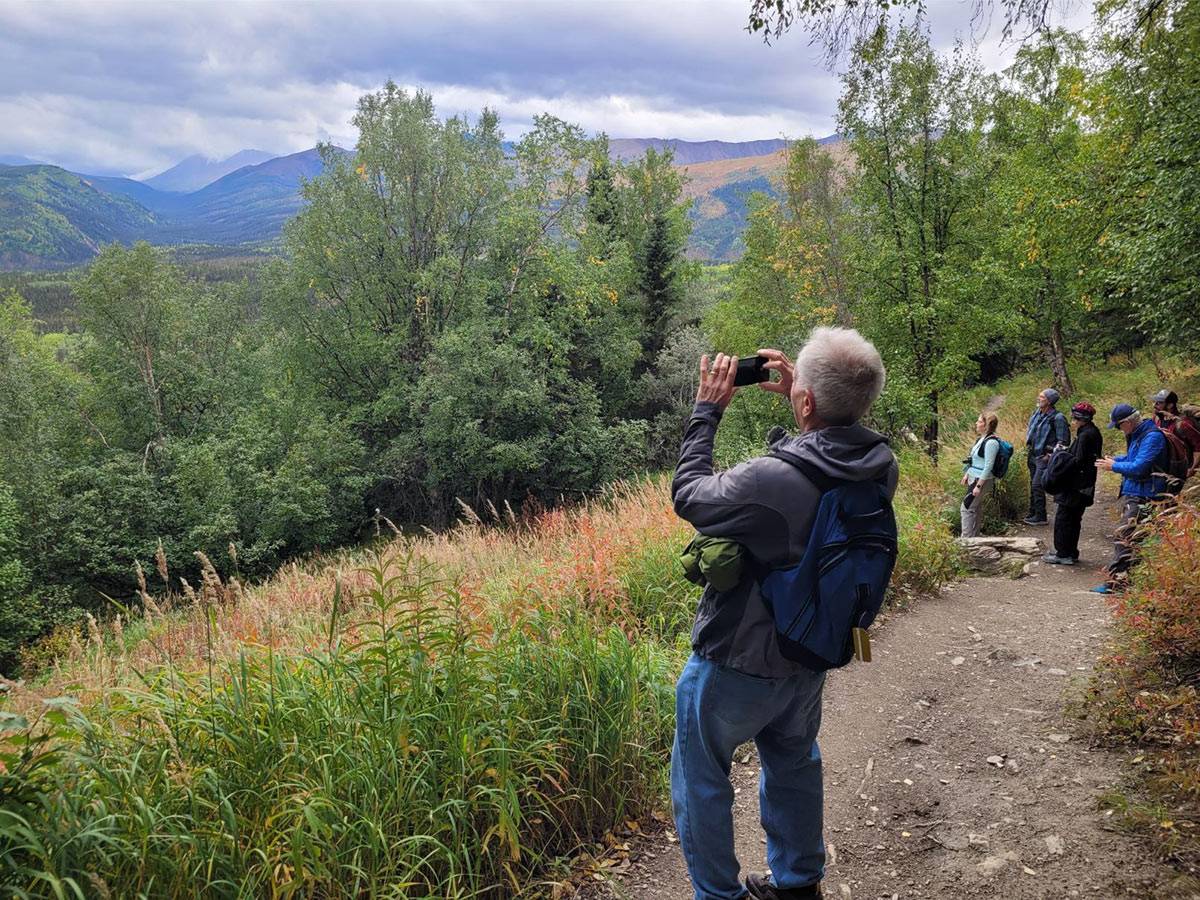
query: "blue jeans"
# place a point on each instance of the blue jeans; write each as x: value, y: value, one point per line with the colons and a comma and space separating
x: 717, y: 709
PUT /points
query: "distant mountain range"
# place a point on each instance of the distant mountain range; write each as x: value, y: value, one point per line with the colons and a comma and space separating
x: 50, y: 217
x: 9, y: 160
x: 196, y: 171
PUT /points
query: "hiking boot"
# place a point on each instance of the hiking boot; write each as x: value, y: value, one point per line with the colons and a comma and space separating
x: 761, y: 888
x: 1067, y: 560
x: 1030, y: 520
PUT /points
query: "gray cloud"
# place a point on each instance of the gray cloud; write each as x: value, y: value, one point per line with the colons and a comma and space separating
x: 132, y: 87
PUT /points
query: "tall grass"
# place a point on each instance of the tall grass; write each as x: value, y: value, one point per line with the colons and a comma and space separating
x: 421, y: 756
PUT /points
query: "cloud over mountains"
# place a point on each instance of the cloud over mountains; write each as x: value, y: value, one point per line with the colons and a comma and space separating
x: 133, y: 87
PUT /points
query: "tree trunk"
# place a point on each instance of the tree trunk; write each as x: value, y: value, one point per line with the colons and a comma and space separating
x: 931, y: 428
x: 1058, y: 360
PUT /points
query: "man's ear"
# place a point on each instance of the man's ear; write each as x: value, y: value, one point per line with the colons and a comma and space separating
x: 809, y: 404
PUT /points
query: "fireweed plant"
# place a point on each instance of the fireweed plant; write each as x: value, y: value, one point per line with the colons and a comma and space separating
x: 1145, y: 694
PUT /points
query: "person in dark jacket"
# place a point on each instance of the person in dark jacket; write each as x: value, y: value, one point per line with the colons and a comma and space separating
x: 1142, y: 482
x: 1087, y: 447
x: 1046, y: 430
x: 737, y: 686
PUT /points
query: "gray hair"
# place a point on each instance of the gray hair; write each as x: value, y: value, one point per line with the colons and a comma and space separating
x: 843, y: 370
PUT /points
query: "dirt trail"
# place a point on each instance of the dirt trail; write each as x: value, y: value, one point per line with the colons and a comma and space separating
x: 952, y: 767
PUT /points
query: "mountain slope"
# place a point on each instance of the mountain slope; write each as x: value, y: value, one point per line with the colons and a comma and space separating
x: 196, y: 171
x: 251, y: 204
x: 49, y: 216
x: 720, y: 191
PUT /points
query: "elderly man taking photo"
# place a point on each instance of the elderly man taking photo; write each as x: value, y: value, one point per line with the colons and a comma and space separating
x: 738, y: 686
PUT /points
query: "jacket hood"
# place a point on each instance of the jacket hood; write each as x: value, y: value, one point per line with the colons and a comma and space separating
x: 1143, y: 426
x: 845, y: 452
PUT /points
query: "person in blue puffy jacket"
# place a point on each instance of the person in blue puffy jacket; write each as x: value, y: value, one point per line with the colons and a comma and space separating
x: 1142, y: 482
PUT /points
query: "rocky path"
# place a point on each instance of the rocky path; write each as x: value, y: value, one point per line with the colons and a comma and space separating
x: 952, y: 767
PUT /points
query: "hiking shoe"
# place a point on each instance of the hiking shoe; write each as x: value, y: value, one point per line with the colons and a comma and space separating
x: 1030, y: 520
x: 761, y: 888
x: 1054, y: 559
x: 1067, y: 560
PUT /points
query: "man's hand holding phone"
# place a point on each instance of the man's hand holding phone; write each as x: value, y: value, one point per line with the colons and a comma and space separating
x: 777, y: 362
x: 720, y: 381
x: 717, y: 380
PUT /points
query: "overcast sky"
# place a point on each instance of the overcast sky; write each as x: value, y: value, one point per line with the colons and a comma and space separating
x: 131, y: 88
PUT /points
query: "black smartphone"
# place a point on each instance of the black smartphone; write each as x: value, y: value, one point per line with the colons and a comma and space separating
x: 750, y: 371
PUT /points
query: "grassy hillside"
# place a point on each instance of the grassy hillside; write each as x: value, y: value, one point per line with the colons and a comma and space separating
x: 720, y: 192
x: 444, y: 716
x: 49, y: 216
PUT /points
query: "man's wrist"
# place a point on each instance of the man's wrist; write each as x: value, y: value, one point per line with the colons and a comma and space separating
x: 707, y: 408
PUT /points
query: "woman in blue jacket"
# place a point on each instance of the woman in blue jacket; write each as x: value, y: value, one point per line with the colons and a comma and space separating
x: 1142, y: 482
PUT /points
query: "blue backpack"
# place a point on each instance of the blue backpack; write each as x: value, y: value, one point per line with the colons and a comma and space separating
x: 839, y: 584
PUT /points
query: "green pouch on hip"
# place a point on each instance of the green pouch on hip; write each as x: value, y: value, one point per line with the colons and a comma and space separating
x: 715, y: 561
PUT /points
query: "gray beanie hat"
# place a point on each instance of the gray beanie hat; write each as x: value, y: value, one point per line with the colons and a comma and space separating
x: 1051, y: 395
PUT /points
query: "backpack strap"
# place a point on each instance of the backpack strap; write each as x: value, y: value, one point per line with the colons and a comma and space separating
x: 821, y: 481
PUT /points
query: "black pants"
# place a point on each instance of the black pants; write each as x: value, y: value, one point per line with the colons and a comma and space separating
x: 1068, y: 522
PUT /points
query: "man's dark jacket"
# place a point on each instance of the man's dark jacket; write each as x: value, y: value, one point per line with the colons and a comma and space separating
x: 1087, y: 447
x: 766, y: 505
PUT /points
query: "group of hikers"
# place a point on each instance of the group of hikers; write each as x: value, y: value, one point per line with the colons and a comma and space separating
x: 795, y: 549
x: 1162, y: 452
